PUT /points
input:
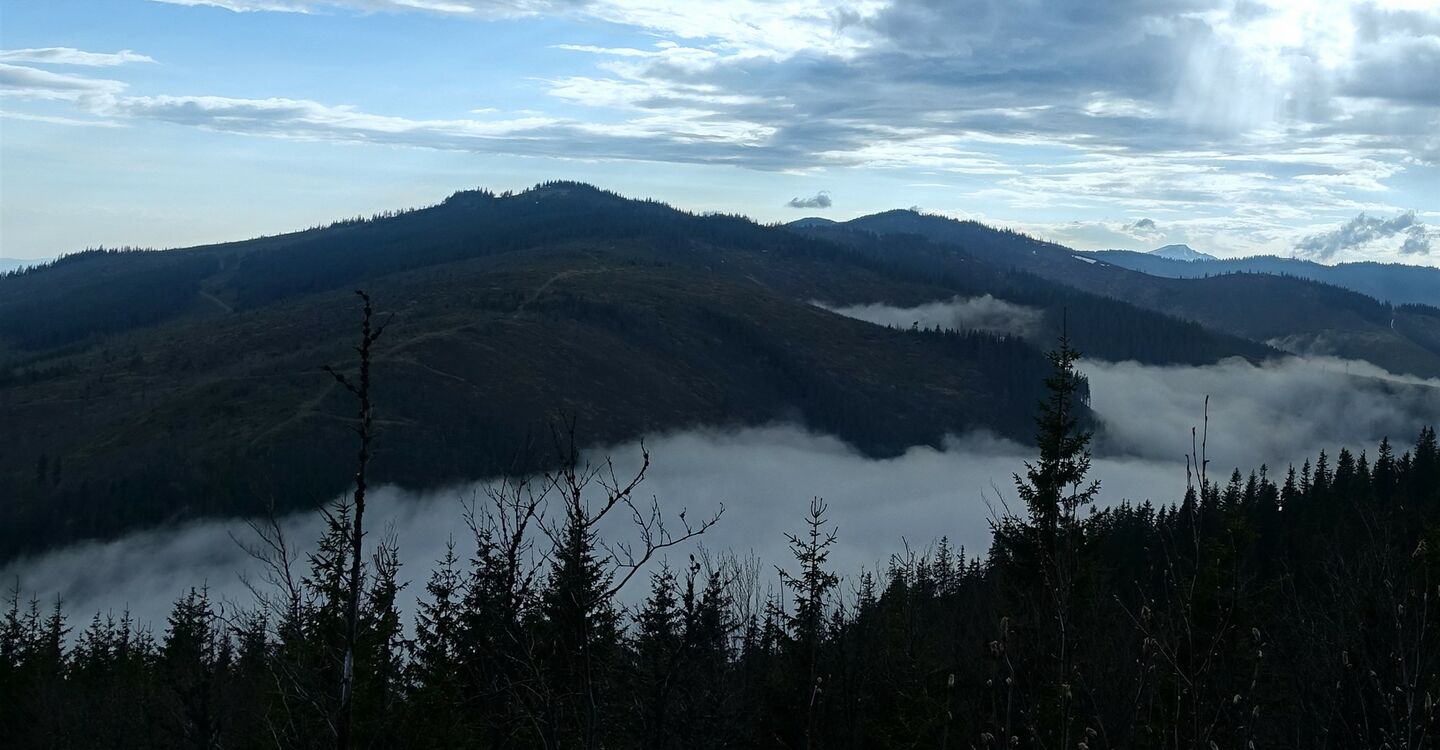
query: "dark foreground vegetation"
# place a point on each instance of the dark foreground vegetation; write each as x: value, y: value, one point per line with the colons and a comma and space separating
x: 1287, y: 610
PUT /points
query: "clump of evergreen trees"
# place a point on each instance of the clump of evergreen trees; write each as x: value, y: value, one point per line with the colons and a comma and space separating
x: 1260, y: 611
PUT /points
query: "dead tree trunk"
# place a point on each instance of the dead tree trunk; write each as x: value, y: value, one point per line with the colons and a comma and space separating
x: 360, y: 388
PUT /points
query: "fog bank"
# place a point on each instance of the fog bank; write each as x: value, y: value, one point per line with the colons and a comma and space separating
x: 1275, y: 413
x: 764, y: 478
x: 983, y: 313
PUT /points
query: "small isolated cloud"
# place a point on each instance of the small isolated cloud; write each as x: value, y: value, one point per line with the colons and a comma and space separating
x: 818, y: 200
x: 72, y: 56
x: 1144, y: 229
x: 1363, y: 230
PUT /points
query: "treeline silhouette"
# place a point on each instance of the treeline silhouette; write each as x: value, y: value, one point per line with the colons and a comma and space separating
x: 1262, y: 611
x: 140, y: 287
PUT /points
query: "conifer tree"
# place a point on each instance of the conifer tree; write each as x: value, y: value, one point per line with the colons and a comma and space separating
x: 194, y: 670
x: 810, y: 591
x: 1052, y: 487
x: 380, y: 650
x: 437, y: 697
x: 579, y: 634
x: 1049, y: 547
x: 657, y: 654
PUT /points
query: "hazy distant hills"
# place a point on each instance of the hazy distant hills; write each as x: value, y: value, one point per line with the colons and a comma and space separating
x: 12, y: 264
x: 1387, y: 282
x: 138, y: 388
x: 1289, y: 312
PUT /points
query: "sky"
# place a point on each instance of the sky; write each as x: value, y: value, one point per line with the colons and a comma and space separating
x: 1239, y: 127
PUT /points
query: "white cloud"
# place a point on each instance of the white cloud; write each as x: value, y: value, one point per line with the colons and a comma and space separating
x: 755, y: 26
x: 818, y: 200
x: 1359, y: 236
x: 1144, y: 229
x: 33, y: 83
x: 72, y: 56
x: 652, y: 138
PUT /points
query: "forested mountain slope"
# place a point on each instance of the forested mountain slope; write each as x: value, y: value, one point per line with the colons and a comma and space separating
x: 213, y: 415
x: 1291, y: 313
x: 143, y: 387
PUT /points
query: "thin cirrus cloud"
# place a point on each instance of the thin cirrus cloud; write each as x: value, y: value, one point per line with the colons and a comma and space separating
x: 25, y: 82
x: 72, y: 56
x: 453, y: 7
x: 653, y: 140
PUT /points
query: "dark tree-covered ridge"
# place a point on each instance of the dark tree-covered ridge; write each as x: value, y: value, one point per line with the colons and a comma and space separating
x: 158, y: 387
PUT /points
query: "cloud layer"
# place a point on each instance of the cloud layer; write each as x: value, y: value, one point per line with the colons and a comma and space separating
x: 1277, y: 413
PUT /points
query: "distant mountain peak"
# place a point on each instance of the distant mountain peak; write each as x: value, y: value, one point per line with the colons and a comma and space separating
x: 1181, y: 252
x: 812, y: 221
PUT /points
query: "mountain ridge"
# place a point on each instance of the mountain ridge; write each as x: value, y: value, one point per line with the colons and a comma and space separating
x: 1395, y: 283
x: 185, y: 383
x: 1309, y: 317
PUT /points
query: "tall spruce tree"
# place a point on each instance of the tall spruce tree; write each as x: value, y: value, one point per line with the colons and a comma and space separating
x: 1053, y: 486
x: 810, y: 592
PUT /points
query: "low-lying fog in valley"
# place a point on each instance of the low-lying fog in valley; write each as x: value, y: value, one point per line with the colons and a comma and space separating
x: 1278, y: 413
x: 984, y: 313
